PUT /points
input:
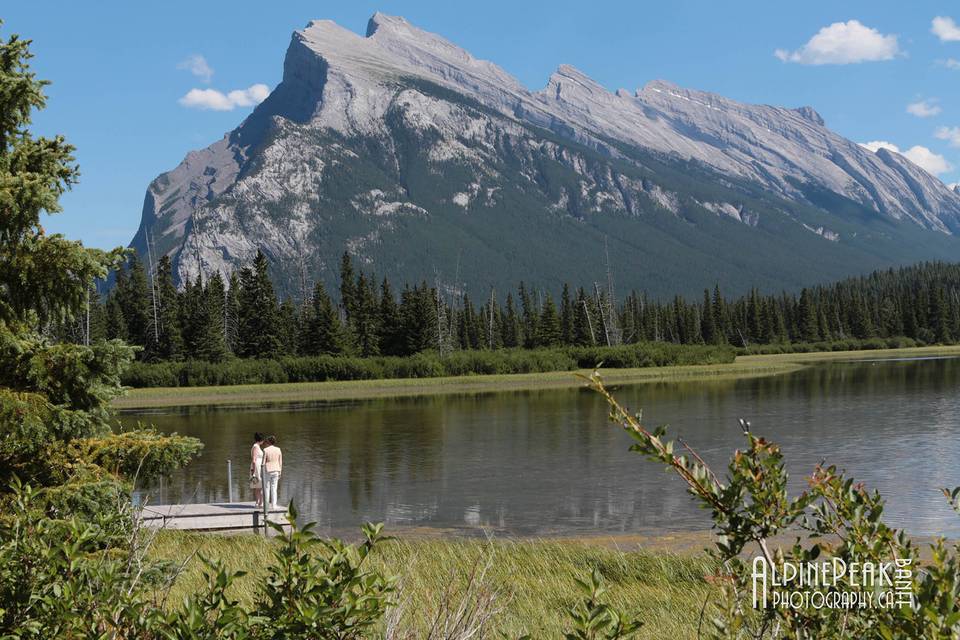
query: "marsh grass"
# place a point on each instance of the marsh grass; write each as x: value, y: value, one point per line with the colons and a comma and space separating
x: 529, y: 584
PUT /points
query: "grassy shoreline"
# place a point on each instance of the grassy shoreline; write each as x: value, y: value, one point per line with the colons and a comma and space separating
x: 534, y: 579
x: 743, y: 367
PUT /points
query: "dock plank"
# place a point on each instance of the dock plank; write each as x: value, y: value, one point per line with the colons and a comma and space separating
x: 209, y: 517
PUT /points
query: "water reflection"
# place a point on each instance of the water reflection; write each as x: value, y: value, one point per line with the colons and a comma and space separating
x: 548, y: 462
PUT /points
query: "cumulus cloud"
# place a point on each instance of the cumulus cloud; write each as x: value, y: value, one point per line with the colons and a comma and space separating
x: 924, y: 108
x: 843, y: 43
x: 198, y: 66
x: 950, y: 134
x: 950, y: 63
x: 921, y: 156
x: 945, y: 28
x: 213, y: 100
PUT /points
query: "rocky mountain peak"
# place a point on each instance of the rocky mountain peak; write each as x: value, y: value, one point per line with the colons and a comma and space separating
x: 400, y: 129
x: 810, y: 114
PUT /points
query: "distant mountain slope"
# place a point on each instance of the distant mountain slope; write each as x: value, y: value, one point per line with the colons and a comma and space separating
x: 420, y: 160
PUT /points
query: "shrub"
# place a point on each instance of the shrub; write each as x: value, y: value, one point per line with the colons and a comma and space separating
x: 427, y: 364
x: 751, y: 504
x: 89, y: 578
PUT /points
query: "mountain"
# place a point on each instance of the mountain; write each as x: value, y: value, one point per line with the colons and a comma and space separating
x: 424, y: 162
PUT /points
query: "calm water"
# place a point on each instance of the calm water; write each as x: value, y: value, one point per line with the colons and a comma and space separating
x: 548, y: 462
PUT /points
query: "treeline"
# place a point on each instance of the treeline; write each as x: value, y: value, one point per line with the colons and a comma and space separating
x: 216, y: 320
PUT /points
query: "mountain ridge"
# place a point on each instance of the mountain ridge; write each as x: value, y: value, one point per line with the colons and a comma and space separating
x: 435, y: 136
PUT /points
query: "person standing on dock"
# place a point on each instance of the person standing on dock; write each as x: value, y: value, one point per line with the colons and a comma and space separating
x: 256, y: 460
x: 273, y: 463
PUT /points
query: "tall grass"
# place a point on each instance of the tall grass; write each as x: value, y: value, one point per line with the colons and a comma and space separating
x: 532, y: 581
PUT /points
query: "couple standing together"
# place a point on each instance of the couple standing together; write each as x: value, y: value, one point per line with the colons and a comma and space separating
x: 265, y: 454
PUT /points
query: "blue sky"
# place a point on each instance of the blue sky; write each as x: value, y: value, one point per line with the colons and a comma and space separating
x: 121, y: 71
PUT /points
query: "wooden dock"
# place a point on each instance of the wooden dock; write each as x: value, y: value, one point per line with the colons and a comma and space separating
x: 224, y: 516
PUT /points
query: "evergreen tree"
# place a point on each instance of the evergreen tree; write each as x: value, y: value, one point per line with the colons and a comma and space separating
x: 708, y: 324
x: 214, y: 342
x: 389, y: 327
x: 170, y: 345
x: 809, y: 329
x: 566, y: 317
x: 348, y: 289
x: 363, y: 322
x: 231, y: 315
x: 134, y: 300
x: 419, y: 319
x: 52, y: 395
x: 529, y: 318
x: 720, y: 315
x: 324, y: 333
x: 288, y: 325
x: 116, y: 326
x: 512, y: 332
x: 258, y: 312
x: 861, y: 325
x: 548, y: 325
x: 467, y: 325
x: 939, y: 316
x: 583, y: 333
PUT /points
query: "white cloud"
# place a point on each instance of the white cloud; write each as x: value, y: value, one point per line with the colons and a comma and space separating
x: 843, y: 43
x: 213, y: 100
x: 198, y: 66
x: 945, y: 28
x: 924, y: 108
x: 921, y: 156
x: 950, y: 63
x: 950, y: 134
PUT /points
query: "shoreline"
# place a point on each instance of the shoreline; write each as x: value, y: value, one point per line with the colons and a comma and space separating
x: 749, y: 366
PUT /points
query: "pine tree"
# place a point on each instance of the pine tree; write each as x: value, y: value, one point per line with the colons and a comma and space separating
x: 51, y: 394
x: 170, y: 345
x: 940, y: 316
x: 258, y: 312
x: 389, y: 326
x: 348, y: 289
x: 214, y: 344
x: 708, y: 323
x: 566, y: 317
x: 324, y: 335
x: 529, y: 317
x: 512, y: 331
x: 418, y: 317
x: 231, y: 315
x: 287, y: 327
x: 364, y: 319
x: 720, y: 315
x: 583, y: 333
x: 809, y: 329
x: 134, y: 301
x: 116, y: 326
x: 548, y: 325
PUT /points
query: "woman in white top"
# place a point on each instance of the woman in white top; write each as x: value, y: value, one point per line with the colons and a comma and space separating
x: 256, y: 461
x: 273, y: 464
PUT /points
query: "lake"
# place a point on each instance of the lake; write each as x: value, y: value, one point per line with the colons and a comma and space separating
x: 543, y: 463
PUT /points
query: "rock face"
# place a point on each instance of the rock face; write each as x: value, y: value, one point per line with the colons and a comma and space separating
x: 421, y: 160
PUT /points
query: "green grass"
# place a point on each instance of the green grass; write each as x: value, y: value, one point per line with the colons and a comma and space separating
x: 744, y: 366
x: 534, y: 579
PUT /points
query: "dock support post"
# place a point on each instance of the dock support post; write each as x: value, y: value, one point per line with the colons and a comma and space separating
x: 263, y: 492
x: 230, y: 481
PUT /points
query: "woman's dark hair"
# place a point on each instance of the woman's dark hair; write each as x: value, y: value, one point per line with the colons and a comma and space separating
x: 258, y: 437
x: 271, y: 440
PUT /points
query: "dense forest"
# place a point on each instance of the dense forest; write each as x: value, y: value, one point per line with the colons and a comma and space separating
x: 217, y: 319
